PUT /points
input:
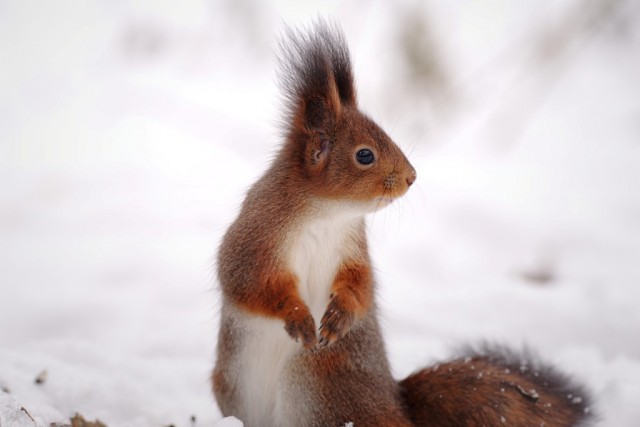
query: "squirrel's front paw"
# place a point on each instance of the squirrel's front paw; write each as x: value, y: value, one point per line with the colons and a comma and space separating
x: 336, y: 322
x: 299, y: 324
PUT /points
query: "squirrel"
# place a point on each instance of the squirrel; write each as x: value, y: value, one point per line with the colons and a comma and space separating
x: 299, y: 342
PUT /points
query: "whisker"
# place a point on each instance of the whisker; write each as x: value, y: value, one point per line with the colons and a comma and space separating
x: 413, y: 144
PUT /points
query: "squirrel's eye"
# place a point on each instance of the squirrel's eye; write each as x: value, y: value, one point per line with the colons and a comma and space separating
x: 364, y: 156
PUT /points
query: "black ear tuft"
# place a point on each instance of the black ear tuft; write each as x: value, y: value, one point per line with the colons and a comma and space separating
x: 315, y: 75
x: 340, y: 61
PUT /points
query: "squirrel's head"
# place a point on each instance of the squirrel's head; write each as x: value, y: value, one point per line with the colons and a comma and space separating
x: 339, y: 152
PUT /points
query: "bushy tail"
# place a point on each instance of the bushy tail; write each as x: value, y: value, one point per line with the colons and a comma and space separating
x: 494, y: 387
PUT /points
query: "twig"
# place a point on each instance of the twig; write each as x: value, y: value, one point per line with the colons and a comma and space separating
x: 23, y: 409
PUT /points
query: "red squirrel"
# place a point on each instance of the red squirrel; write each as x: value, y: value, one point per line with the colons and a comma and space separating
x: 300, y: 341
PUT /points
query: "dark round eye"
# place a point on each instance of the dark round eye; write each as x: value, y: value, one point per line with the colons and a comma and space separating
x: 364, y: 156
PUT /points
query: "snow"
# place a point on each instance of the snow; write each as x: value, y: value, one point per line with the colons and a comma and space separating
x: 129, y: 133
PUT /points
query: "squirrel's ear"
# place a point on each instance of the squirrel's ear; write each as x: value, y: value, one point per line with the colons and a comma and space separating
x: 316, y: 77
x: 317, y: 151
x: 313, y: 123
x: 320, y: 112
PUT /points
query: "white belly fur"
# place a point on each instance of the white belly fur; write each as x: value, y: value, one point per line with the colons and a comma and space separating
x: 314, y: 256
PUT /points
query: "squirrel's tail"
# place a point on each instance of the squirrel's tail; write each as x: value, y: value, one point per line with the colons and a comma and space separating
x: 494, y: 387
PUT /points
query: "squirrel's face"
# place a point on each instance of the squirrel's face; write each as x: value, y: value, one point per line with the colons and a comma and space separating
x: 342, y: 155
x: 354, y: 160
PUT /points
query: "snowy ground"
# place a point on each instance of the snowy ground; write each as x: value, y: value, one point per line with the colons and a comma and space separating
x: 128, y: 134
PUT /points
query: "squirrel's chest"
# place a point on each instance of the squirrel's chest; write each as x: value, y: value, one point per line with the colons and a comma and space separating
x: 313, y: 253
x: 314, y: 256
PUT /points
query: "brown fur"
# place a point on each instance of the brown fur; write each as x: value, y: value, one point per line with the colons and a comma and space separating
x: 342, y: 374
x: 493, y: 387
x: 351, y: 298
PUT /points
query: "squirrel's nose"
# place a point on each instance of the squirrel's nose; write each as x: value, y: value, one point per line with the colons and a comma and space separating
x: 412, y: 177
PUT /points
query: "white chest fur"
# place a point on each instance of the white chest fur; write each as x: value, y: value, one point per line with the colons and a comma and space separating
x: 314, y: 256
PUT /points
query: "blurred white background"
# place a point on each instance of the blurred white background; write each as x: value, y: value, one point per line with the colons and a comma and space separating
x: 129, y: 132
